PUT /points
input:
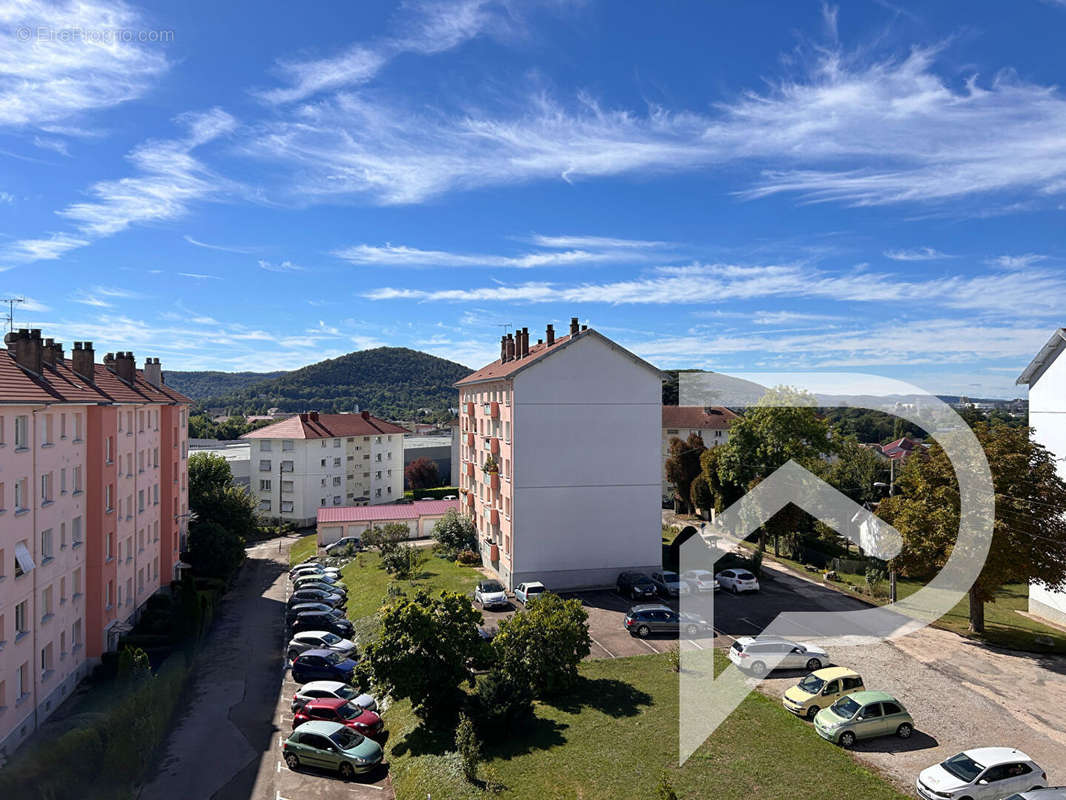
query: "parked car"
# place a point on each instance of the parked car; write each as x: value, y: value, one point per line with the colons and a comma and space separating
x: 863, y: 715
x: 344, y: 543
x: 644, y: 620
x: 323, y: 621
x: 320, y: 640
x: 700, y: 580
x: 737, y: 580
x: 331, y: 588
x: 820, y: 690
x: 759, y: 656
x: 984, y: 773
x: 330, y: 745
x: 293, y: 611
x: 333, y: 709
x: 312, y: 569
x: 529, y: 590
x: 318, y: 577
x: 322, y: 665
x: 636, y: 585
x: 1051, y: 793
x: 449, y: 497
x: 316, y: 690
x: 315, y: 595
x: 669, y: 584
x: 491, y: 594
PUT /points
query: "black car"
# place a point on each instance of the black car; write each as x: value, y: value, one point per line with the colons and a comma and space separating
x: 317, y: 596
x: 636, y: 585
x: 644, y: 620
x: 323, y: 621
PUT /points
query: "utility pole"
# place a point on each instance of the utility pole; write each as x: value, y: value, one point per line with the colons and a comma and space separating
x: 891, y: 564
x: 11, y: 310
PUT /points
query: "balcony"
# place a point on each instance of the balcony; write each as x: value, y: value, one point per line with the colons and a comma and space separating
x: 494, y: 481
x: 470, y: 501
x: 470, y: 409
x: 470, y: 469
x: 494, y: 518
x: 494, y: 410
x: 470, y: 440
x: 494, y: 445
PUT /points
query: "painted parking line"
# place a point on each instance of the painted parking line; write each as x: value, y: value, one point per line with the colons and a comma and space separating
x: 649, y: 645
x: 604, y: 649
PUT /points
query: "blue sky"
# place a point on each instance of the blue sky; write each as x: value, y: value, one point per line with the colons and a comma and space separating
x: 730, y: 186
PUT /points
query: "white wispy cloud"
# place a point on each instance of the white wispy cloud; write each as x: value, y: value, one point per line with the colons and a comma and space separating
x: 7, y: 197
x: 1019, y: 262
x: 598, y: 242
x: 283, y: 266
x: 51, y: 247
x: 55, y: 145
x: 48, y: 79
x: 200, y: 276
x: 917, y: 254
x: 401, y: 256
x: 221, y: 247
x: 997, y: 293
x: 851, y: 129
x: 427, y: 28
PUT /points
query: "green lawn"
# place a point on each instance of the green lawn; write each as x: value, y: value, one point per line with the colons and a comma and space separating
x: 614, y: 734
x: 307, y: 546
x: 1004, y: 627
x: 368, y: 583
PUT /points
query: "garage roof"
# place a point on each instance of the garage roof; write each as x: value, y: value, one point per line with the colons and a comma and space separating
x: 387, y: 512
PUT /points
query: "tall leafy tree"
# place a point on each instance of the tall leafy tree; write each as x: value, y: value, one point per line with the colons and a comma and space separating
x: 454, y: 533
x: 683, y: 465
x: 783, y: 426
x: 422, y: 473
x: 542, y: 646
x: 1029, y: 532
x: 422, y: 652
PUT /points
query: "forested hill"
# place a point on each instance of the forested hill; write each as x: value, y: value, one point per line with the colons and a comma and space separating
x: 199, y: 385
x: 390, y: 382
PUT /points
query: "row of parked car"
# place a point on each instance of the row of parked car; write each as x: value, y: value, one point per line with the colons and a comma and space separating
x: 334, y: 726
x: 637, y: 585
x: 843, y: 710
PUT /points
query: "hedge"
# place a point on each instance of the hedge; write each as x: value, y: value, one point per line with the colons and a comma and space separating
x: 438, y: 493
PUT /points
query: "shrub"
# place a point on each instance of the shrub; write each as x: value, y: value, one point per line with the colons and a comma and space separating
x: 665, y: 791
x: 454, y: 533
x: 673, y: 657
x: 756, y: 564
x: 468, y: 558
x: 468, y: 747
x: 403, y: 561
x: 501, y: 701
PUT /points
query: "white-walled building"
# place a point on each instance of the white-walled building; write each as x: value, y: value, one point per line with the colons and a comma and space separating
x: 1046, y: 379
x: 560, y: 460
x: 313, y: 460
x: 711, y: 423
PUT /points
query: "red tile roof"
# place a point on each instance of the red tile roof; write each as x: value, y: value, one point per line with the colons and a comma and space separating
x: 715, y: 417
x: 325, y: 426
x: 60, y: 384
x: 391, y: 511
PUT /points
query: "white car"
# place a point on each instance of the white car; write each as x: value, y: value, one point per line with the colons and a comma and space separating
x: 300, y: 568
x: 1052, y: 793
x: 737, y: 580
x: 700, y: 580
x: 491, y: 594
x: 319, y: 689
x: 766, y: 653
x: 319, y: 640
x: 324, y: 577
x: 524, y: 592
x: 984, y: 773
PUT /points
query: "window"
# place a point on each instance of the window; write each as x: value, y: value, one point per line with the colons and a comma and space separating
x: 336, y: 442
x: 109, y: 544
x: 23, y: 678
x: 336, y: 500
x: 3, y: 497
x: 76, y: 480
x: 77, y: 427
x: 63, y: 480
x: 46, y: 429
x: 336, y: 462
x: 107, y: 450
x: 264, y: 504
x: 323, y: 462
x: 287, y: 444
x: 286, y: 466
x: 108, y: 498
x: 264, y: 485
x: 75, y: 583
x: 23, y: 559
x: 21, y: 432
x: 46, y: 660
x: 264, y: 465
x: 264, y: 446
x: 62, y: 426
x: 46, y: 488
x: 75, y: 635
x: 891, y: 708
x: 286, y: 486
x: 20, y: 495
x: 336, y: 481
x: 46, y: 545
x: 21, y: 619
x: 75, y: 531
x: 871, y: 711
x: 286, y: 506
x: 62, y: 590
x: 46, y: 603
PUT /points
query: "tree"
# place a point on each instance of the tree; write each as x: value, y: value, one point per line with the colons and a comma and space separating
x: 386, y: 538
x: 403, y: 561
x: 683, y: 464
x: 214, y: 551
x: 1029, y: 532
x: 700, y: 495
x: 213, y: 497
x: 782, y: 426
x: 543, y: 645
x: 502, y: 700
x: 422, y: 652
x: 468, y: 747
x: 422, y: 473
x: 455, y: 533
x: 723, y: 492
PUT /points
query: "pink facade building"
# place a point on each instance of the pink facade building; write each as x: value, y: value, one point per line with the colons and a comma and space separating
x: 93, y: 509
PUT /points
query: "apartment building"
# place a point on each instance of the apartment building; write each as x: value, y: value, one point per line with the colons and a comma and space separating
x: 312, y: 461
x: 1046, y: 378
x: 93, y: 509
x: 560, y: 459
x: 711, y: 423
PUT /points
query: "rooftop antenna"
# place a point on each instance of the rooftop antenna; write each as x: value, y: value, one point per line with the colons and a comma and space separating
x: 506, y: 327
x: 11, y: 310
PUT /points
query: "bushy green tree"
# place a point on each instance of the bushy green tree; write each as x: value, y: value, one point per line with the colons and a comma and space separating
x: 403, y: 561
x: 502, y: 700
x: 683, y: 464
x: 543, y: 645
x: 468, y: 747
x: 422, y: 651
x: 386, y: 538
x: 214, y: 551
x: 454, y: 533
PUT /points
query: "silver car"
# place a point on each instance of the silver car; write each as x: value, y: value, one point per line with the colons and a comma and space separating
x: 766, y: 653
x: 320, y: 640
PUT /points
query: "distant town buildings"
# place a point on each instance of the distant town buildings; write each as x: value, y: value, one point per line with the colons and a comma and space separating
x: 1046, y: 378
x: 711, y: 423
x: 560, y: 459
x: 93, y: 513
x: 311, y: 461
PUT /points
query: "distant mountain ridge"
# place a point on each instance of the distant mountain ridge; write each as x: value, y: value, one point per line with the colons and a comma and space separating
x: 392, y: 382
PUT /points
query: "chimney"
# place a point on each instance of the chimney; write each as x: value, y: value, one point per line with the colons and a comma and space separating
x: 125, y: 367
x: 303, y: 417
x: 503, y: 349
x: 364, y: 414
x: 573, y: 326
x: 525, y: 342
x: 313, y: 416
x: 510, y: 348
x: 584, y: 327
x: 550, y: 335
x: 153, y: 372
x: 82, y: 360
x: 27, y: 348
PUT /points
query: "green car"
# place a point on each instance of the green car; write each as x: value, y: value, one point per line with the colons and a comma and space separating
x: 863, y: 715
x: 330, y: 745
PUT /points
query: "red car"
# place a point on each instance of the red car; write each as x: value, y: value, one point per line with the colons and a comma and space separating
x: 335, y: 709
